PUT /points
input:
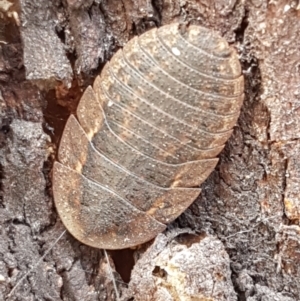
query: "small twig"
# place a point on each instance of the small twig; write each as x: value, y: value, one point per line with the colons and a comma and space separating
x: 112, y: 276
x: 38, y: 262
x: 252, y: 228
x: 106, y: 277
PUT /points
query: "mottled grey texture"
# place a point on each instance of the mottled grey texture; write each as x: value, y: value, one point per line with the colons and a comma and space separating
x: 22, y: 160
x: 44, y: 54
x: 91, y: 40
x: 263, y: 293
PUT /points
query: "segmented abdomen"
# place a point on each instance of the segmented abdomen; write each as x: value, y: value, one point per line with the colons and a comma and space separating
x: 146, y: 135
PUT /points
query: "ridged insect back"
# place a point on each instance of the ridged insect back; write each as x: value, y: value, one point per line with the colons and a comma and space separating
x: 146, y: 135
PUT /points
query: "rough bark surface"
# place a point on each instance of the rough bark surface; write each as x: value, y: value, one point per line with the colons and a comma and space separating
x: 249, y: 210
x: 191, y: 268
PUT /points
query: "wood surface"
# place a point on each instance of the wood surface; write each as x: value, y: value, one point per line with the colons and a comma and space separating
x: 247, y: 217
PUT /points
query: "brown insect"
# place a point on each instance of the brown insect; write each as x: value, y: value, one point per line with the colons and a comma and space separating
x: 146, y: 135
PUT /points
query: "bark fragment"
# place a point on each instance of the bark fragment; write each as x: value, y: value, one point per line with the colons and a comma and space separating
x: 44, y: 54
x: 194, y: 268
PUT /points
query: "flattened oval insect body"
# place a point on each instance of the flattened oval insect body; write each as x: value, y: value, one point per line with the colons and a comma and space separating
x: 146, y: 135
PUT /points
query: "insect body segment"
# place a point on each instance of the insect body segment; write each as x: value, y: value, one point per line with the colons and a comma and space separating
x: 146, y: 135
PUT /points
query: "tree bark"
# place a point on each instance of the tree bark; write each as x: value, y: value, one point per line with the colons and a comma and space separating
x: 247, y: 216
